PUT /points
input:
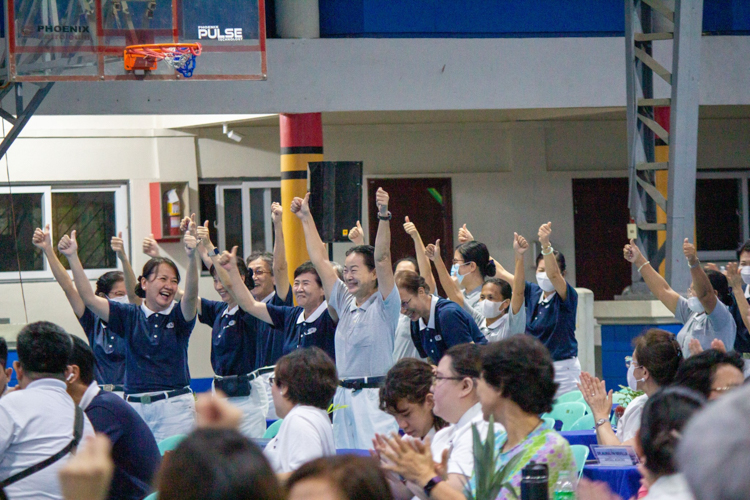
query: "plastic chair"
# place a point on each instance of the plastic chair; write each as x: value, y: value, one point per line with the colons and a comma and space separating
x: 152, y: 496
x: 567, y: 413
x: 570, y: 397
x: 585, y: 423
x: 549, y: 421
x: 580, y: 454
x: 272, y: 430
x: 170, y: 443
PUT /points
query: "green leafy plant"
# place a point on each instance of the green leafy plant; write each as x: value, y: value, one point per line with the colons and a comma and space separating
x: 490, y: 480
x: 332, y: 408
x: 628, y: 395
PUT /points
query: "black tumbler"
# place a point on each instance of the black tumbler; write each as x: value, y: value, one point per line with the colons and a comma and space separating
x: 534, y: 478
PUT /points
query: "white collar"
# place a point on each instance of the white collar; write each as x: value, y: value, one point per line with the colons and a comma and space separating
x: 91, y: 391
x: 431, y: 321
x: 148, y: 312
x: 230, y: 312
x: 747, y: 291
x: 543, y: 300
x: 268, y: 297
x: 502, y: 320
x: 47, y: 382
x: 315, y: 315
x: 467, y: 417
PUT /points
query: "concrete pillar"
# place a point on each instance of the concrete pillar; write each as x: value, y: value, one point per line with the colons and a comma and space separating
x: 297, y: 18
x: 301, y: 142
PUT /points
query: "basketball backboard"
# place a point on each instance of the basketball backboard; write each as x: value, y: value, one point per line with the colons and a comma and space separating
x: 84, y: 40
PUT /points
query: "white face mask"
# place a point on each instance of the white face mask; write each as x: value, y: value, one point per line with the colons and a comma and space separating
x: 544, y: 282
x: 632, y: 381
x: 122, y: 300
x: 490, y: 309
x: 695, y: 305
x: 745, y: 272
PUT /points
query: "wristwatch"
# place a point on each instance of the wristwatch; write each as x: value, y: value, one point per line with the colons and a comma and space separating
x: 387, y: 216
x: 600, y: 422
x: 431, y: 485
x: 215, y: 251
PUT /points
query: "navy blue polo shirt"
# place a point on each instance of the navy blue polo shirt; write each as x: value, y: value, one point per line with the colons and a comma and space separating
x: 134, y: 450
x: 270, y: 338
x: 233, y: 338
x: 742, y: 340
x: 109, y: 349
x: 447, y: 326
x: 319, y: 330
x: 157, y: 356
x: 553, y: 322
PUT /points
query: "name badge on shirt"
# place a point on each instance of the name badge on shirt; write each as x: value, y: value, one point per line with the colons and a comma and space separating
x: 438, y: 337
x: 310, y: 331
x: 170, y: 325
x: 232, y: 323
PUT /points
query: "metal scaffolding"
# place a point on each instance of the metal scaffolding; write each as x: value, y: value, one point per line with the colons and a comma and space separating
x: 685, y: 22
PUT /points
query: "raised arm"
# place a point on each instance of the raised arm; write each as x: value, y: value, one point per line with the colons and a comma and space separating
x: 550, y: 262
x: 235, y: 285
x: 658, y: 285
x: 316, y: 249
x: 43, y: 240
x: 383, y: 264
x: 98, y: 305
x: 280, y: 267
x: 449, y: 286
x: 356, y: 235
x: 425, y: 269
x: 701, y: 284
x: 520, y: 245
x: 189, y: 301
x: 127, y: 270
x: 735, y: 281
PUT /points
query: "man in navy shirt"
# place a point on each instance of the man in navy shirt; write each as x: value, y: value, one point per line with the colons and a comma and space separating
x: 134, y: 450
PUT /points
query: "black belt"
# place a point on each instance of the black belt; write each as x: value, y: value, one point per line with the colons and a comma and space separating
x: 112, y: 387
x: 263, y: 371
x: 362, y: 383
x: 157, y: 397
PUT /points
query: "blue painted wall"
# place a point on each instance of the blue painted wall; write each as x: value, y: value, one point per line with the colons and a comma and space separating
x: 617, y: 342
x: 502, y: 18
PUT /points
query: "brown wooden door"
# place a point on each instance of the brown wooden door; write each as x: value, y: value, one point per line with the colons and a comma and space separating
x: 601, y: 215
x: 427, y: 202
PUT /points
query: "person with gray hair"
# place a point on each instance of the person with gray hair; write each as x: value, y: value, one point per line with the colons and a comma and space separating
x: 715, y: 449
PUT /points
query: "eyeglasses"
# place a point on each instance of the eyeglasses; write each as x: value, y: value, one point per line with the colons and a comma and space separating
x: 629, y: 362
x: 261, y: 272
x: 437, y: 378
x: 405, y: 303
x: 459, y: 262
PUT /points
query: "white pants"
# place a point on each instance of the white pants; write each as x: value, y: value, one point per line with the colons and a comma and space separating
x: 254, y: 407
x: 167, y: 417
x: 356, y: 425
x: 271, y: 414
x: 567, y: 374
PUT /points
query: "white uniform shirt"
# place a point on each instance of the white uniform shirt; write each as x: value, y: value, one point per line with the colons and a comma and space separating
x: 507, y: 325
x: 630, y: 422
x: 671, y: 487
x: 460, y: 440
x: 471, y: 298
x: 365, y: 333
x: 305, y: 434
x: 36, y: 423
x: 403, y: 345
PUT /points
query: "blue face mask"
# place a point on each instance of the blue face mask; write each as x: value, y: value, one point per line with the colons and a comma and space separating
x: 454, y: 270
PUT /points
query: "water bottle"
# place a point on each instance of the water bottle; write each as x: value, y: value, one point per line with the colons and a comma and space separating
x: 564, y: 489
x: 534, y: 480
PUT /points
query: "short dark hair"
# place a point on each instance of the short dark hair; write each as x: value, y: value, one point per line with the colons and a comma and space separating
x: 744, y: 248
x: 505, y: 289
x: 310, y: 376
x: 697, y: 372
x: 412, y: 282
x: 721, y: 285
x: 242, y: 268
x: 659, y: 352
x: 664, y: 415
x: 521, y: 368
x: 44, y: 348
x: 367, y: 252
x: 410, y: 260
x: 308, y: 267
x: 219, y: 464
x: 466, y: 360
x: 476, y: 252
x: 559, y: 257
x: 409, y: 379
x: 3, y: 352
x: 266, y: 257
x: 107, y: 281
x: 355, y: 478
x: 83, y: 357
x: 152, y: 267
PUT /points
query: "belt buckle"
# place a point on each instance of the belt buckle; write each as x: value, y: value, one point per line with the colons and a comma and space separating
x: 108, y: 387
x: 146, y: 400
x: 357, y: 385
